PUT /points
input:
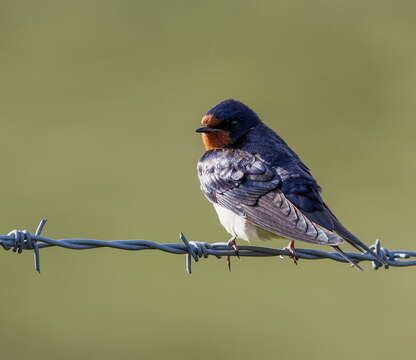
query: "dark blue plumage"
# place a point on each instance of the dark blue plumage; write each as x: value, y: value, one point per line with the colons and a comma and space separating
x: 233, y: 109
x: 256, y: 173
x: 298, y: 184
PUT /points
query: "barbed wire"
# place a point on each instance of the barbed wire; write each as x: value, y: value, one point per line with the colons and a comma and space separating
x: 19, y: 240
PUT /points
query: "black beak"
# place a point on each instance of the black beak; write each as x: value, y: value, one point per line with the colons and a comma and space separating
x: 206, y: 129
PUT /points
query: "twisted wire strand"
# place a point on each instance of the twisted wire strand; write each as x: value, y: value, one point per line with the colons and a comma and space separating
x: 19, y: 240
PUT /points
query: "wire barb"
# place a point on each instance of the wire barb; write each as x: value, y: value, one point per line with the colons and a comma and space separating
x: 23, y: 240
x: 19, y: 240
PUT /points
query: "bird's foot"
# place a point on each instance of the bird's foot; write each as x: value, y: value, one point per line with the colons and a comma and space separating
x: 234, y: 245
x: 291, y: 248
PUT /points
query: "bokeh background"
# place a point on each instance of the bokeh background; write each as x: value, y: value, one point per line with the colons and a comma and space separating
x: 99, y: 101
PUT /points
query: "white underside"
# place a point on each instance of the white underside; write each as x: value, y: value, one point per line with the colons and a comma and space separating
x: 240, y: 228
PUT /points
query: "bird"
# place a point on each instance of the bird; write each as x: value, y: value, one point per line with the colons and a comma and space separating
x: 260, y: 188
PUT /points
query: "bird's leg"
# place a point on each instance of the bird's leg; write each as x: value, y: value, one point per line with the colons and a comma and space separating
x: 234, y: 245
x: 291, y: 248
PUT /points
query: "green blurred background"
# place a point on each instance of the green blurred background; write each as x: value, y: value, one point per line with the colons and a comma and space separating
x: 99, y: 101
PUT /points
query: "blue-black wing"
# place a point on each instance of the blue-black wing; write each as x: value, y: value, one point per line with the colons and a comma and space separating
x: 252, y: 188
x: 304, y: 193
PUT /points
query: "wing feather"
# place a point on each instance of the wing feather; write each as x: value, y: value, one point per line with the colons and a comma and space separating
x: 248, y: 186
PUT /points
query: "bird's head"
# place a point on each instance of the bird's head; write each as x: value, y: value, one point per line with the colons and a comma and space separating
x: 225, y: 123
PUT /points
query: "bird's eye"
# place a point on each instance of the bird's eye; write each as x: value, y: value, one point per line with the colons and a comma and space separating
x: 234, y: 123
x: 227, y: 125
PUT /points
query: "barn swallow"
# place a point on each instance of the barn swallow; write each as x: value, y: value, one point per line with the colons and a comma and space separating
x: 260, y: 188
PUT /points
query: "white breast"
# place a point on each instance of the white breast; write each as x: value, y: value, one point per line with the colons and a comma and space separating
x: 239, y: 227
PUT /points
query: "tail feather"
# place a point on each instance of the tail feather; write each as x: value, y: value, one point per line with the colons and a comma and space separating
x: 351, y: 239
x: 358, y: 244
x: 346, y: 257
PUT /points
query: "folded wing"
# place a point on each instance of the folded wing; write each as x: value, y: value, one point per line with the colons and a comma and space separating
x: 252, y: 188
